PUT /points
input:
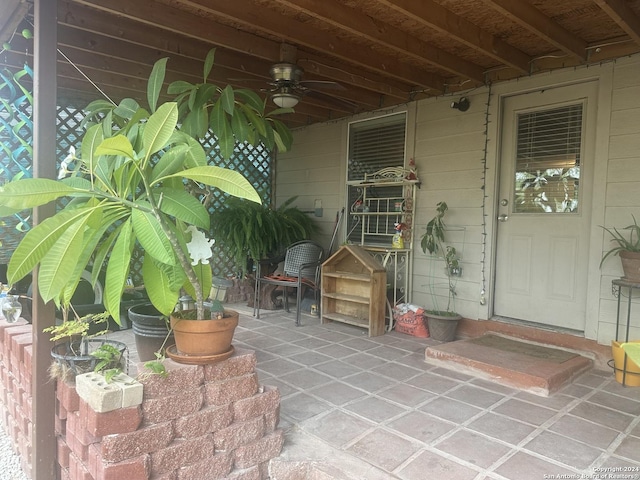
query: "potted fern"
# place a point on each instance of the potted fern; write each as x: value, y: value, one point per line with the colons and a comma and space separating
x: 627, y: 247
x: 442, y: 320
x: 127, y: 185
x: 250, y: 232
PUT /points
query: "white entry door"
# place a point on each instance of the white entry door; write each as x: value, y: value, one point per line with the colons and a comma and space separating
x: 543, y: 224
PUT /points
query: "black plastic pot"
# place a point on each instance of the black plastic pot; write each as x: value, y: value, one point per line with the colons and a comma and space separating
x: 150, y: 329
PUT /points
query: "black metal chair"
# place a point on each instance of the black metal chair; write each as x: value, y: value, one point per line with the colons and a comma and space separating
x: 301, y: 269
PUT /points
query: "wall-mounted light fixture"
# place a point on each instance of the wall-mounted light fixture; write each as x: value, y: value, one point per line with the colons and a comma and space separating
x: 462, y: 104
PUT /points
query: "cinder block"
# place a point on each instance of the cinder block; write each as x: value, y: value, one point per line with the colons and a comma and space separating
x: 99, y: 395
x: 132, y: 390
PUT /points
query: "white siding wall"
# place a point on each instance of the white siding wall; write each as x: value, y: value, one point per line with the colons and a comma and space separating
x: 448, y: 148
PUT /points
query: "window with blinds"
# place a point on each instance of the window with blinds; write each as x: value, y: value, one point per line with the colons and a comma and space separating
x: 376, y: 144
x: 373, y: 145
x: 547, y: 173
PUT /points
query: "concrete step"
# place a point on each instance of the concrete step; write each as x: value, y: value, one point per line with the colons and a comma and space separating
x: 516, y: 363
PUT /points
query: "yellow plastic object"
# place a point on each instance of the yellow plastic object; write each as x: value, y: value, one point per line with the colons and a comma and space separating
x: 632, y: 376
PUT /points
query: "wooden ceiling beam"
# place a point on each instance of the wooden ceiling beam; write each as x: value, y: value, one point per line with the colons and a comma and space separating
x: 619, y: 11
x: 355, y: 23
x: 433, y: 15
x: 529, y: 17
x: 151, y: 12
x: 271, y: 24
x: 127, y: 28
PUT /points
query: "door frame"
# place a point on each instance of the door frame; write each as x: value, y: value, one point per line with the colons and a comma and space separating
x: 603, y: 75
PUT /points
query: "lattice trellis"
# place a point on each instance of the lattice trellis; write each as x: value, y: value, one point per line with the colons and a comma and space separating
x: 255, y: 163
x: 16, y: 136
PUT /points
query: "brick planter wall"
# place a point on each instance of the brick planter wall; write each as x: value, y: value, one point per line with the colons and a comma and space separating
x: 201, y: 422
x: 15, y: 386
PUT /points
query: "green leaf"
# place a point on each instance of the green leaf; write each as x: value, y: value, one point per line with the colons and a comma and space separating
x: 208, y: 63
x: 228, y: 181
x: 159, y: 128
x: 33, y: 192
x: 227, y: 99
x: 257, y: 121
x: 152, y: 237
x: 178, y: 87
x: 252, y: 99
x: 222, y: 130
x: 90, y: 142
x: 240, y: 126
x: 127, y: 108
x: 170, y: 162
x: 118, y: 145
x: 118, y: 270
x: 285, y: 135
x: 155, y: 83
x: 180, y: 204
x: 158, y: 287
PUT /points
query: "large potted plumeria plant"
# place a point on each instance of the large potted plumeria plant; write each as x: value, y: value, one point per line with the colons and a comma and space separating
x: 126, y: 185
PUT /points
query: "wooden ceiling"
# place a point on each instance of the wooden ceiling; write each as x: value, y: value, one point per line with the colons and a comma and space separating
x: 383, y: 52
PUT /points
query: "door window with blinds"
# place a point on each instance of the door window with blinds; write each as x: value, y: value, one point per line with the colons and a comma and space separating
x: 547, y: 172
x: 373, y: 145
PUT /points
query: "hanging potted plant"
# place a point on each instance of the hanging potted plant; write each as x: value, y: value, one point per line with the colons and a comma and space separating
x: 127, y: 185
x: 442, y: 320
x: 627, y: 248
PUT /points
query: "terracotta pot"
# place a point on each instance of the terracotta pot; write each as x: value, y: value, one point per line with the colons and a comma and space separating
x: 442, y: 327
x: 205, y: 337
x: 630, y: 266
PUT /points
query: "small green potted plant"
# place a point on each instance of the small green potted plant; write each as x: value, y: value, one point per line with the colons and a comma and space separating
x: 627, y: 247
x: 77, y: 351
x: 126, y: 185
x: 442, y: 321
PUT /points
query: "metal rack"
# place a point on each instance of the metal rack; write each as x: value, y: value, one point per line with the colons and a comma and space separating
x: 382, y: 200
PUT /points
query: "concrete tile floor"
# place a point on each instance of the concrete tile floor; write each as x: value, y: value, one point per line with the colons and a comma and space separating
x: 376, y: 399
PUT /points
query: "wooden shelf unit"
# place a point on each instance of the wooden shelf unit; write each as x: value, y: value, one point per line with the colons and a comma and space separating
x: 354, y: 289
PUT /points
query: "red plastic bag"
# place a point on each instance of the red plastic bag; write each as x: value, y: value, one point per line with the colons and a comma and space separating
x: 411, y: 320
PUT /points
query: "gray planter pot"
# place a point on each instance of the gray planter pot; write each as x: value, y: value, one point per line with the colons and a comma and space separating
x: 150, y: 329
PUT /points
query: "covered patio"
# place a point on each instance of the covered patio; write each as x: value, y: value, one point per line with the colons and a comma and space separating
x: 373, y: 402
x: 360, y: 407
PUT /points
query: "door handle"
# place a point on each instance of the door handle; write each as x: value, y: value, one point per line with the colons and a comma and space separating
x: 503, y: 218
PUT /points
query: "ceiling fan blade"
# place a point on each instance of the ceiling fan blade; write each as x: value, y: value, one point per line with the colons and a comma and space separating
x: 321, y: 84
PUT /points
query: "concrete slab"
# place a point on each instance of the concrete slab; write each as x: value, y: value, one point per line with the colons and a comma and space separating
x: 517, y: 369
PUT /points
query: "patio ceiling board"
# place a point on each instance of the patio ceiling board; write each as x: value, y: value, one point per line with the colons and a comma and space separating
x: 384, y: 52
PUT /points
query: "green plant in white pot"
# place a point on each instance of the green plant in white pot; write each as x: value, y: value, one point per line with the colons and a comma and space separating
x: 127, y: 185
x: 443, y: 320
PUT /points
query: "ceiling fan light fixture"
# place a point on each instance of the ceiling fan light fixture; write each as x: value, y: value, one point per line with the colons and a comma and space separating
x: 285, y: 100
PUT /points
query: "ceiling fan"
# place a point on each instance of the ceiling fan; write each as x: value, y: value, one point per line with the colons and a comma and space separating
x: 287, y: 87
